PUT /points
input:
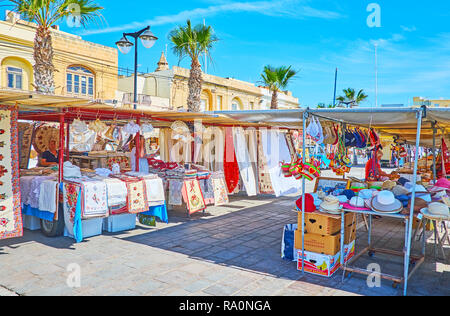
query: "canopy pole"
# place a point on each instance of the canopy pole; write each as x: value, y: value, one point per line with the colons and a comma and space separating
x: 434, y: 151
x: 305, y: 117
x: 61, y: 148
x: 138, y: 145
x: 67, y: 141
x: 408, y: 235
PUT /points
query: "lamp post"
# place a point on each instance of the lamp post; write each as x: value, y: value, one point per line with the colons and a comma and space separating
x: 124, y: 45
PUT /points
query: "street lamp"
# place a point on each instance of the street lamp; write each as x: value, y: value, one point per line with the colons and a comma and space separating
x: 124, y: 45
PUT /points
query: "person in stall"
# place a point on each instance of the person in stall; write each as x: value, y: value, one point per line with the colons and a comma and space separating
x: 143, y: 162
x: 50, y: 157
x: 373, y: 168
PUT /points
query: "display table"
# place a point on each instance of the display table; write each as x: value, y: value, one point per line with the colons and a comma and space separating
x: 414, y: 261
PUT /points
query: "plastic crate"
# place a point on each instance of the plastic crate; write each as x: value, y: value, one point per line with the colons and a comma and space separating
x: 90, y: 227
x: 31, y: 222
x: 119, y: 223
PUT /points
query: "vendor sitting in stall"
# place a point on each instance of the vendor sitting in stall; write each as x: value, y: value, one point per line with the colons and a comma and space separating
x: 50, y: 157
x: 373, y: 168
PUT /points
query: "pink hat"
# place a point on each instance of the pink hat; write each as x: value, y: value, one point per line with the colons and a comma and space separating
x: 356, y: 204
x: 441, y: 185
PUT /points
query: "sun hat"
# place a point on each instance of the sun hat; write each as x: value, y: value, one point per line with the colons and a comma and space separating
x: 317, y: 200
x: 440, y: 194
x: 421, y: 192
x: 446, y: 200
x: 309, y: 204
x: 442, y: 184
x: 400, y: 190
x: 349, y: 194
x: 356, y: 203
x: 402, y: 181
x: 366, y: 194
x: 385, y: 202
x: 404, y: 199
x: 419, y: 204
x: 330, y: 205
x: 342, y: 198
x: 388, y: 185
x: 436, y: 209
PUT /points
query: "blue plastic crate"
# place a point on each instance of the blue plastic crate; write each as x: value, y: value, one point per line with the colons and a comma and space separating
x: 119, y: 223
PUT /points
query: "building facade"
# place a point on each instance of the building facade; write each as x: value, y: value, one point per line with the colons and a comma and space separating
x: 83, y: 69
x: 419, y: 101
x: 168, y: 88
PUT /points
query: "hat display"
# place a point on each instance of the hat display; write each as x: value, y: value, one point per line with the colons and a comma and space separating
x: 388, y: 185
x: 385, y: 202
x: 317, y: 200
x: 331, y: 205
x: 342, y: 198
x: 439, y: 210
x: 356, y: 203
x: 309, y: 204
x: 421, y: 192
x: 400, y: 190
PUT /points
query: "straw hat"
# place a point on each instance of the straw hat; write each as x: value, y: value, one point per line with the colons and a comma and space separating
x: 42, y: 137
x: 385, y: 202
x: 435, y: 209
x: 419, y: 204
x: 388, y: 185
x: 330, y: 205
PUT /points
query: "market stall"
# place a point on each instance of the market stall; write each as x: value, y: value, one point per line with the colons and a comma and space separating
x: 397, y: 195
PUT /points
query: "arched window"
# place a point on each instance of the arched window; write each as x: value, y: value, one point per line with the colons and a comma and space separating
x: 17, y: 73
x: 236, y: 105
x: 80, y: 81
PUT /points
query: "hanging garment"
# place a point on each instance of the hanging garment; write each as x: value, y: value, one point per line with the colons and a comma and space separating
x: 175, y: 197
x: 264, y: 181
x: 48, y: 196
x: 206, y: 186
x: 276, y: 150
x: 192, y: 195
x: 230, y: 164
x: 72, y: 210
x: 220, y: 189
x: 94, y: 198
x: 245, y: 165
x: 155, y: 191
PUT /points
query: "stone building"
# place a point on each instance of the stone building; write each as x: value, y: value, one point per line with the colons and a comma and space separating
x: 83, y: 69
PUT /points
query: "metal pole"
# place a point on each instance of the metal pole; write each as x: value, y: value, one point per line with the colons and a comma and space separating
x: 135, y: 71
x: 305, y: 117
x: 138, y: 146
x: 335, y: 85
x: 61, y: 148
x: 434, y: 152
x: 413, y: 197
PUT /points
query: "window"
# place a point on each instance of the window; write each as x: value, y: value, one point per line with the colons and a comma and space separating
x: 80, y: 81
x: 219, y: 103
x: 15, y: 77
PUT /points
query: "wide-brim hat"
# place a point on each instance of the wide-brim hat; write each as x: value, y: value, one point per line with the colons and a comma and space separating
x: 419, y: 204
x: 388, y: 185
x: 356, y: 203
x: 310, y: 207
x: 366, y: 194
x: 437, y: 210
x: 330, y: 205
x: 400, y: 190
x: 385, y: 202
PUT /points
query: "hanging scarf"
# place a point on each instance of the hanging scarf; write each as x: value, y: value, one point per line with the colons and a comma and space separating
x: 230, y: 164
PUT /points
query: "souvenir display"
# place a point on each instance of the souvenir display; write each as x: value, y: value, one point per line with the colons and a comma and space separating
x: 10, y: 209
x: 42, y: 135
x: 26, y: 131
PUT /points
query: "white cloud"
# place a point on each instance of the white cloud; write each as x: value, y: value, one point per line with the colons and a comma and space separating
x: 288, y: 8
x: 408, y: 29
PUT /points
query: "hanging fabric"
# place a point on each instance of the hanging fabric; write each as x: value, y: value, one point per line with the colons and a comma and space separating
x: 244, y: 161
x: 230, y: 164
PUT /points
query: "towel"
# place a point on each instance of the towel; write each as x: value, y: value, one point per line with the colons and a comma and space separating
x: 155, y: 191
x: 244, y: 161
x: 48, y: 196
x: 117, y: 192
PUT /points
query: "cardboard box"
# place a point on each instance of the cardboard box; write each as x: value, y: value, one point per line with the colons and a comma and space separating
x: 325, y: 224
x: 324, y: 244
x: 324, y: 265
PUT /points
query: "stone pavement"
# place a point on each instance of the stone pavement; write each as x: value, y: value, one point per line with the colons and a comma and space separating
x: 230, y: 250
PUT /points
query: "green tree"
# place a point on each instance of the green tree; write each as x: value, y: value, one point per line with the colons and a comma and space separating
x: 277, y: 79
x: 350, y: 98
x: 193, y: 42
x: 47, y: 13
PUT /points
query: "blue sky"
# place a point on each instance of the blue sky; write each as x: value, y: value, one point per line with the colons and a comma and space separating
x: 314, y: 36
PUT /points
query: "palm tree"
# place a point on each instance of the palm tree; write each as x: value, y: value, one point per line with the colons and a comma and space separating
x: 277, y: 79
x: 351, y: 98
x: 47, y: 13
x: 193, y: 42
x: 324, y: 106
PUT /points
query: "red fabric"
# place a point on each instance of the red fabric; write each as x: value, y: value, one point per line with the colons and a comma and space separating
x: 370, y: 165
x: 230, y: 164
